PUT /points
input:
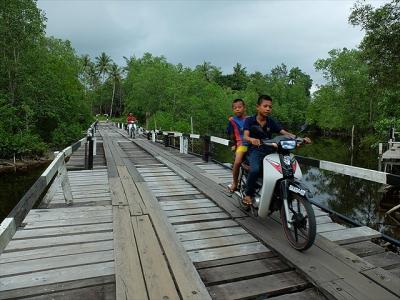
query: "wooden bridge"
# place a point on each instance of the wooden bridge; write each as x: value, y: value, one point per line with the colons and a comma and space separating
x: 149, y: 222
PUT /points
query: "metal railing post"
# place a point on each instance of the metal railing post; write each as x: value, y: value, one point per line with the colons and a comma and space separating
x: 90, y: 149
x: 207, y: 143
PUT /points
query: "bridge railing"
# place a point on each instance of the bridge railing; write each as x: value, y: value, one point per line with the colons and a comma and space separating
x: 46, y: 184
x: 205, y: 146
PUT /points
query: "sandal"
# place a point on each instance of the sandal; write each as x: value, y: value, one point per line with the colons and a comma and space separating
x: 247, y: 201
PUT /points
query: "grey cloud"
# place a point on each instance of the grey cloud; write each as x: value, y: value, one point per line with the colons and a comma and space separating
x: 258, y: 34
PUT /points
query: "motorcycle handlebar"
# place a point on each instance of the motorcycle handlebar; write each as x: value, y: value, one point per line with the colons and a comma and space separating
x: 274, y: 142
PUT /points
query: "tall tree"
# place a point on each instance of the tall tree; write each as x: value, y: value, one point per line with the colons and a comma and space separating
x: 103, y: 63
x: 381, y: 43
x: 115, y: 77
x: 21, y: 30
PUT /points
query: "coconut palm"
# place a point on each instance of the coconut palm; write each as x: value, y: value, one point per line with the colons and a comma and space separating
x: 103, y: 63
x: 115, y: 77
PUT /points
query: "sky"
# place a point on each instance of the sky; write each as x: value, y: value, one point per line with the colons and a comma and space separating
x: 258, y: 34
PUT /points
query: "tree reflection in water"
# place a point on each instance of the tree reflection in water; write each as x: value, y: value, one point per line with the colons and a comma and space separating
x: 353, y: 197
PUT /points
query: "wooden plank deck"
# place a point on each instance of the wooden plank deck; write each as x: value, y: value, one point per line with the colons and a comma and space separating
x: 333, y: 279
x: 62, y: 249
x: 156, y: 224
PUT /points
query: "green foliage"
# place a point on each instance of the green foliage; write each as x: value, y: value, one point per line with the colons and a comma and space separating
x: 39, y: 84
x: 347, y: 98
x: 381, y: 44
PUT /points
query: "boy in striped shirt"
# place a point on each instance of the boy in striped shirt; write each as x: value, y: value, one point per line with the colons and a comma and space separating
x: 235, y: 131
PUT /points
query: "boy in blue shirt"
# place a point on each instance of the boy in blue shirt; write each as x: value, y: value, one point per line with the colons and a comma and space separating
x: 256, y: 128
x: 235, y: 131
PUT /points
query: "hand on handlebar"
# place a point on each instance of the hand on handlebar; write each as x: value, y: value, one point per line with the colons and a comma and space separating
x: 307, y: 140
x: 255, y: 142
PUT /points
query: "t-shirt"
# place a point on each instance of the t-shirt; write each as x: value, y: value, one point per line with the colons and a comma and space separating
x: 235, y: 129
x: 131, y: 119
x: 261, y: 133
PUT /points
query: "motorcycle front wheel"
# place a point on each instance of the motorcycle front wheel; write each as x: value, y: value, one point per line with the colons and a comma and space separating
x: 303, y: 229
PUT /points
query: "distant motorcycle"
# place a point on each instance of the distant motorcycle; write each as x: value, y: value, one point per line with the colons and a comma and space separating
x: 280, y: 189
x: 132, y: 129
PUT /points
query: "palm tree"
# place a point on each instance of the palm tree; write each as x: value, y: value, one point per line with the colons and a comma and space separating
x: 103, y: 63
x: 115, y: 76
x: 86, y: 62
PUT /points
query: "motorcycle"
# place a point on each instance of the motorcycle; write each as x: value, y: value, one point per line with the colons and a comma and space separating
x: 280, y: 189
x: 132, y: 129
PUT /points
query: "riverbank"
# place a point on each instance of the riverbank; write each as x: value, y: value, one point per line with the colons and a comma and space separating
x: 24, y: 165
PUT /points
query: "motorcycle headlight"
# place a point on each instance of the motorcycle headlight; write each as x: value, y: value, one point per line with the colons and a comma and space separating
x: 288, y: 145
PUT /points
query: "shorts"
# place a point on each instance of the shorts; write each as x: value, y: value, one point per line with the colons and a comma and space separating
x: 241, y: 149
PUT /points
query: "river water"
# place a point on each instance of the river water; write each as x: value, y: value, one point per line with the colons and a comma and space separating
x: 363, y: 201
x: 14, y: 185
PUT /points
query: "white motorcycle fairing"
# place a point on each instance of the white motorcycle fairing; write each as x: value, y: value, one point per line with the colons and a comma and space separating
x: 271, y: 164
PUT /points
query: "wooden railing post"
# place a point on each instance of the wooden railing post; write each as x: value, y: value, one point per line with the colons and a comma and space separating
x: 66, y: 186
x: 184, y: 143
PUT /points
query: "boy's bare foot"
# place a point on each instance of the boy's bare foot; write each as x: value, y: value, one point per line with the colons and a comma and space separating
x: 247, y: 200
x: 232, y: 188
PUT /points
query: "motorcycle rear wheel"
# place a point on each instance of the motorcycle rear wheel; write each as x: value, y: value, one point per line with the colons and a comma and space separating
x: 302, y: 234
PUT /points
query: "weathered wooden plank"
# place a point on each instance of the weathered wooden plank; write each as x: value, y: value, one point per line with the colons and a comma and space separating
x: 54, y: 276
x: 323, y: 220
x: 165, y: 178
x: 128, y: 273
x: 315, y: 261
x: 118, y: 196
x: 233, y: 260
x: 55, y: 215
x: 200, y: 217
x: 205, y: 225
x: 159, y: 282
x: 203, y: 184
x: 228, y: 251
x: 187, y: 206
x: 75, y: 289
x: 56, y: 251
x: 205, y: 234
x: 365, y: 248
x: 111, y: 165
x: 218, y: 242
x: 308, y: 294
x: 70, y: 222
x: 176, y: 193
x: 386, y: 260
x: 48, y: 263
x: 385, y: 279
x: 136, y: 205
x: 351, y: 235
x: 186, y: 277
x: 262, y: 267
x: 171, y: 188
x: 58, y: 231
x: 329, y: 227
x: 91, y: 292
x: 192, y: 211
x: 27, y: 244
x: 277, y: 284
x: 181, y: 198
x: 7, y: 230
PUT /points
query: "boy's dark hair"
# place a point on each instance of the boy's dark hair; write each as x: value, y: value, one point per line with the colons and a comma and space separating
x: 238, y: 100
x: 263, y: 97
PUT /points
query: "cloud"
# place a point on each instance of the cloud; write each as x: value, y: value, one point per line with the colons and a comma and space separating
x: 258, y: 34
